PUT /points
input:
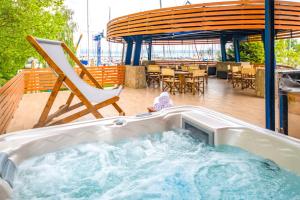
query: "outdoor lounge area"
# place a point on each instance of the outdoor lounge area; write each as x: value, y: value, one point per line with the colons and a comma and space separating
x: 195, y: 100
x: 219, y: 96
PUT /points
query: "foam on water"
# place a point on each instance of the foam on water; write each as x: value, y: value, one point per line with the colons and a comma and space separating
x: 171, y: 165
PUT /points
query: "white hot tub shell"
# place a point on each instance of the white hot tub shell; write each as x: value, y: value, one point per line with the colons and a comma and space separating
x: 214, y: 128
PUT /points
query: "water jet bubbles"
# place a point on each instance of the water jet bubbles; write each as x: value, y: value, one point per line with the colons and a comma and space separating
x: 168, y: 165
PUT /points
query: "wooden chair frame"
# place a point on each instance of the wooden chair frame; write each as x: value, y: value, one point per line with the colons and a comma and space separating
x: 248, y: 78
x: 236, y: 78
x: 46, y: 119
x: 153, y: 75
x: 169, y: 81
x: 196, y: 82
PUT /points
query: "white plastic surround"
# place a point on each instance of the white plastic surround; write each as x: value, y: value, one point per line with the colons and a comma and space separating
x: 19, y: 146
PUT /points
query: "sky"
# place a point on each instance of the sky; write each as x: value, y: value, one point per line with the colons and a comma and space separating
x: 99, y: 14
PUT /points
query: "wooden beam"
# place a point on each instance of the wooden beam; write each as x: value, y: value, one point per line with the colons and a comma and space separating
x: 218, y: 16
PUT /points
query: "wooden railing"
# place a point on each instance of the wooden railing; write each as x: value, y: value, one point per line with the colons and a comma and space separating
x: 44, y: 79
x: 10, y: 97
x: 184, y: 62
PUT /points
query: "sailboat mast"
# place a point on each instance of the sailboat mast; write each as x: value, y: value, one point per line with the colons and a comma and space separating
x: 164, y: 52
x: 88, y: 30
x: 109, y: 44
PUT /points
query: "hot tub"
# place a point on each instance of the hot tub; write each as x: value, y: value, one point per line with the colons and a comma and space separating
x: 212, y: 128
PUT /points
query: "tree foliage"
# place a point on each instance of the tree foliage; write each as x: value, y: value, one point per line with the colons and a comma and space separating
x: 249, y: 52
x: 287, y: 52
x: 19, y: 18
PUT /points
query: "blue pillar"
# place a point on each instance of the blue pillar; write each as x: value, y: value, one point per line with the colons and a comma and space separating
x: 223, y: 48
x: 236, y: 44
x: 150, y: 51
x: 137, y: 51
x: 99, y: 52
x: 269, y: 65
x: 284, y: 112
x: 128, y: 51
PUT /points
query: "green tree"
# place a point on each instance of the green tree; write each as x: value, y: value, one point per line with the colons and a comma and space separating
x: 19, y: 18
x: 249, y: 52
x: 288, y: 52
x: 252, y: 52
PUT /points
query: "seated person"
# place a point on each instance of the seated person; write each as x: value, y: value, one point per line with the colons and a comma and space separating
x: 161, y: 102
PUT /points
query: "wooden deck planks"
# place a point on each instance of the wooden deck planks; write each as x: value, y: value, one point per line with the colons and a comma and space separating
x: 219, y: 96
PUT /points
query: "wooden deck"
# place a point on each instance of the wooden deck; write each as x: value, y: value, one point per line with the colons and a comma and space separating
x: 219, y: 96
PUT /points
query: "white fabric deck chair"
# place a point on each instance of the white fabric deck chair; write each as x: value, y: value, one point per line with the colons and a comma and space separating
x: 93, y: 98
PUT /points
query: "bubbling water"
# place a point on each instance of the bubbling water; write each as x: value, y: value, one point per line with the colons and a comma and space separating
x: 169, y: 165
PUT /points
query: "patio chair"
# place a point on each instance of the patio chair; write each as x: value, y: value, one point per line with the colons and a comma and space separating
x: 93, y: 98
x: 236, y: 76
x: 248, y: 78
x: 193, y: 67
x: 153, y: 75
x: 169, y: 81
x: 246, y: 65
x: 185, y: 68
x: 204, y: 67
x: 229, y: 73
x: 196, y: 83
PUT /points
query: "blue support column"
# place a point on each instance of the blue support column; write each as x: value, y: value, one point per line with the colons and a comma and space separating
x: 236, y: 44
x: 150, y: 51
x: 128, y: 51
x: 223, y: 48
x: 283, y: 103
x: 137, y: 50
x: 269, y: 65
x: 99, y: 53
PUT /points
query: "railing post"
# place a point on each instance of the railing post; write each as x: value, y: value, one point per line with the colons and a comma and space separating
x: 269, y: 65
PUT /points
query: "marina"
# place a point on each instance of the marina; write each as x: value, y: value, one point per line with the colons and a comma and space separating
x: 98, y: 99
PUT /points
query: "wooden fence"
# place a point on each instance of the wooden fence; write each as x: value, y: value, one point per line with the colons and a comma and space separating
x: 44, y: 79
x: 10, y: 96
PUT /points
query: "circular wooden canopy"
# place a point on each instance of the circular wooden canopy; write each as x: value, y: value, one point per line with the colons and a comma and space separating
x: 206, y: 22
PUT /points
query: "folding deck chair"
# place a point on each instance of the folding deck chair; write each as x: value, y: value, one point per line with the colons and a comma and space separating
x: 93, y: 98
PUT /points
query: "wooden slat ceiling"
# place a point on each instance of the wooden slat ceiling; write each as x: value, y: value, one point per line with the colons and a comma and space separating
x: 204, y: 23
